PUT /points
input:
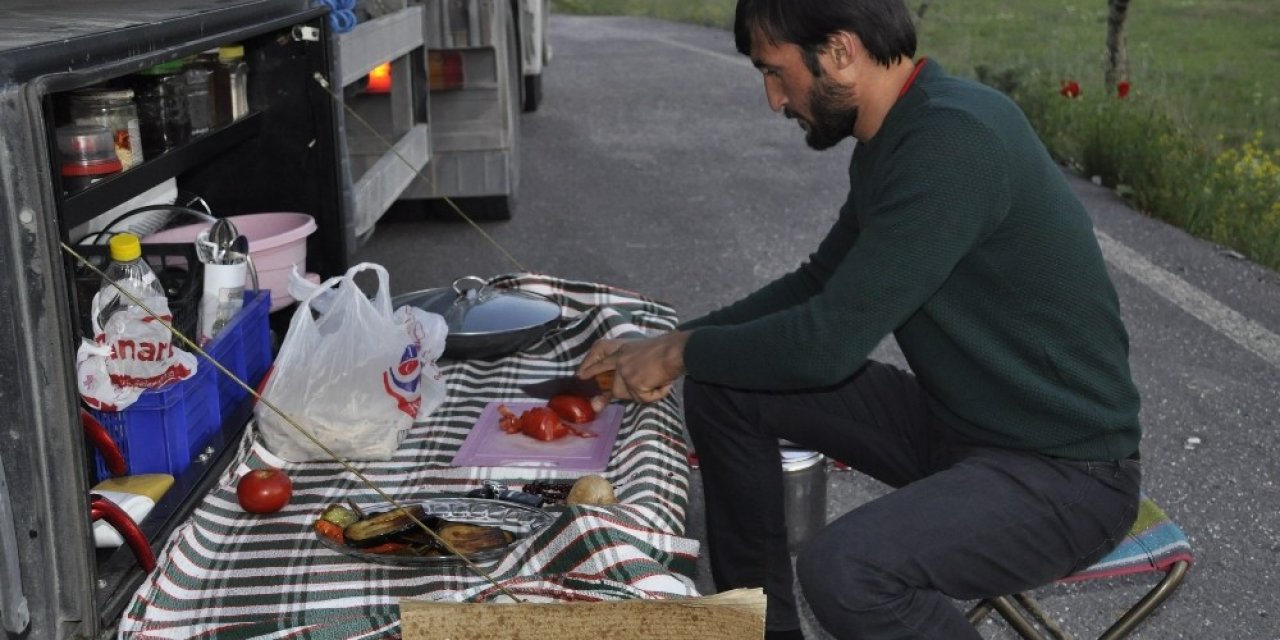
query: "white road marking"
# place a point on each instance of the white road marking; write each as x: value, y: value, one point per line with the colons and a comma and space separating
x: 1200, y: 305
x: 736, y: 58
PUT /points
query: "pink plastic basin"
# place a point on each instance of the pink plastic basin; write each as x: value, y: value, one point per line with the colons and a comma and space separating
x: 277, y: 243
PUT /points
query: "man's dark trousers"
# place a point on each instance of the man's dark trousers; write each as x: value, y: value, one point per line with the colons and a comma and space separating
x: 964, y: 521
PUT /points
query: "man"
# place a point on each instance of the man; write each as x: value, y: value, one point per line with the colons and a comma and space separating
x: 1012, y: 445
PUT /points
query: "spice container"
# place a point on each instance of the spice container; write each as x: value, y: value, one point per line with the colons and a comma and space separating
x: 232, y: 84
x: 161, y: 93
x: 113, y: 109
x: 199, y: 77
x: 88, y: 154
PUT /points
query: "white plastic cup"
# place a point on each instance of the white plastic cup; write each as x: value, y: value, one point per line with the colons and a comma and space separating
x: 222, y: 298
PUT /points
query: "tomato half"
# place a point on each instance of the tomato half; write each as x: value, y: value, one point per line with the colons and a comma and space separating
x: 541, y: 423
x: 264, y: 490
x: 575, y: 409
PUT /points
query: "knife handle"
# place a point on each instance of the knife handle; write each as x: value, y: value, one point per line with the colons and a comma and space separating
x: 604, y: 380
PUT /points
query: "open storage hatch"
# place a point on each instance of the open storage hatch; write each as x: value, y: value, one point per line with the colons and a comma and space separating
x: 281, y: 156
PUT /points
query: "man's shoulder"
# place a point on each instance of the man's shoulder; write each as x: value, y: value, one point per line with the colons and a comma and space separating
x: 944, y: 92
x: 943, y: 106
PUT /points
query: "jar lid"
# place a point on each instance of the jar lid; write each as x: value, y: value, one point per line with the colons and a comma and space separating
x: 92, y: 168
x: 230, y: 52
x: 165, y: 68
x: 798, y: 460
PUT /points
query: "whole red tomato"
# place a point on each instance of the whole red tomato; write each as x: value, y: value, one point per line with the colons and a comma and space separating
x: 575, y: 409
x: 264, y: 490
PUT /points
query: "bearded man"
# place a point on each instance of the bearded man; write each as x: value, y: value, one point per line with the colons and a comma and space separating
x: 1012, y: 442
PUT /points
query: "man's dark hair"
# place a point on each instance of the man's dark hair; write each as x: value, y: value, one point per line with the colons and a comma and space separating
x: 884, y: 26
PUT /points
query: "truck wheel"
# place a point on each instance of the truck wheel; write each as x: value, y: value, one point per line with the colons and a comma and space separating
x: 532, y: 93
x: 480, y: 209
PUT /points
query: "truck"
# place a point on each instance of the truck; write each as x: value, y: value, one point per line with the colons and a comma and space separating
x: 417, y: 102
x: 485, y: 60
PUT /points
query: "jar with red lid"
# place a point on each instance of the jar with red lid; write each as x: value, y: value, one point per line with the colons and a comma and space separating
x: 88, y: 155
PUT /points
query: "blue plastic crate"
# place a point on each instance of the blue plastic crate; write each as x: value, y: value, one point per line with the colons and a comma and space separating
x: 167, y: 428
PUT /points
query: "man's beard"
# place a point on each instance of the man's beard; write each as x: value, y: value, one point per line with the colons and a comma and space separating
x: 830, y: 122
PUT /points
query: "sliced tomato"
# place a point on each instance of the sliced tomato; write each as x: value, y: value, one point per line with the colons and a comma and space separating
x: 329, y: 530
x: 542, y: 423
x: 386, y: 547
x: 575, y: 409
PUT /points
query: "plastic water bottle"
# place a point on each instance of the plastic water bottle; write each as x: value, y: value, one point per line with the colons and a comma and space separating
x: 133, y: 273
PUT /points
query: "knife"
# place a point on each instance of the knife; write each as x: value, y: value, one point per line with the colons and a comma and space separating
x: 570, y: 385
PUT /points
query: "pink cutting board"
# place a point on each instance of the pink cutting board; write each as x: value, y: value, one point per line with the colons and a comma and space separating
x: 489, y: 446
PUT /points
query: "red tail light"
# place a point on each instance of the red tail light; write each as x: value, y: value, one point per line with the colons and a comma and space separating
x: 444, y: 68
x: 380, y: 79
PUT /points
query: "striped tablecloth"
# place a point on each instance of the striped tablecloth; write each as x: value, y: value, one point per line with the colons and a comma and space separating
x: 226, y: 573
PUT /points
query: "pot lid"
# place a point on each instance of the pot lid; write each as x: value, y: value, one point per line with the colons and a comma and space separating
x: 471, y: 307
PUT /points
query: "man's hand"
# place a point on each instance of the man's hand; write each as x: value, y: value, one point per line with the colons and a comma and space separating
x: 644, y: 369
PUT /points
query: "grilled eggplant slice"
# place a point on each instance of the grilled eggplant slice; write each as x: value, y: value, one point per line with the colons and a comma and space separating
x: 468, y: 539
x: 382, y: 527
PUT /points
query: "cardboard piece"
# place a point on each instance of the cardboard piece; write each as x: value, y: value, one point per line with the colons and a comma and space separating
x: 732, y: 615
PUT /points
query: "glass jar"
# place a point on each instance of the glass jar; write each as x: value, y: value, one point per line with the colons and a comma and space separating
x: 161, y: 93
x: 199, y: 75
x: 233, y: 81
x: 87, y: 155
x: 113, y: 109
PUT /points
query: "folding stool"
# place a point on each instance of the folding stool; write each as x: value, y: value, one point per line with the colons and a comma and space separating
x: 1154, y: 543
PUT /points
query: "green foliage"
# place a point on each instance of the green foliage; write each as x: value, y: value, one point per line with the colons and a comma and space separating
x: 711, y: 13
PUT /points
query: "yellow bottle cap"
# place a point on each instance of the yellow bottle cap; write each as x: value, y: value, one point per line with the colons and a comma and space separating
x: 230, y: 52
x: 125, y: 247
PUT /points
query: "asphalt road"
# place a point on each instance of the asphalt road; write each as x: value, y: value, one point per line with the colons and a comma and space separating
x: 655, y: 165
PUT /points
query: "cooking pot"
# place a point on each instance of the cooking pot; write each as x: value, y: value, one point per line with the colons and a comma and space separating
x: 484, y: 321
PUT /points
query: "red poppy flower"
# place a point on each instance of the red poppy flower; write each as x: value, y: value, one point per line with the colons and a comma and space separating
x: 1070, y: 89
x: 1122, y: 89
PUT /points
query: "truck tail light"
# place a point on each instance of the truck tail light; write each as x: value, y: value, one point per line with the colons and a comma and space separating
x: 380, y: 79
x: 444, y: 68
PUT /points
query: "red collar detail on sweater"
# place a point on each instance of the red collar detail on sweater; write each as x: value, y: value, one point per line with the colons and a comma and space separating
x: 911, y: 79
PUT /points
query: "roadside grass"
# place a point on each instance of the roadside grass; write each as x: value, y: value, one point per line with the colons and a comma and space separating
x: 1196, y: 142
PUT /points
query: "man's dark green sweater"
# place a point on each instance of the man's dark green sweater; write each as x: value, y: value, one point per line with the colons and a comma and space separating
x: 961, y: 236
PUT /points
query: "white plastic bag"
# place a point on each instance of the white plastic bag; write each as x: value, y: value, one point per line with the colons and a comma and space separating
x: 131, y: 354
x: 353, y: 377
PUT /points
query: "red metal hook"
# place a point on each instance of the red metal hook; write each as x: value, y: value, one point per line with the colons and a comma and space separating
x: 101, y: 508
x: 105, y: 445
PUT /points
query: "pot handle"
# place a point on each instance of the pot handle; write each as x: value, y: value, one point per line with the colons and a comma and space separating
x: 466, y: 284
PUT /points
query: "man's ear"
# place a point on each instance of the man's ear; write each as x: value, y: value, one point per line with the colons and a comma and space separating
x: 843, y: 47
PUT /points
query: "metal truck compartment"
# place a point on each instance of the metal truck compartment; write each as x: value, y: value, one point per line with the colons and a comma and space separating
x: 474, y: 118
x: 281, y: 157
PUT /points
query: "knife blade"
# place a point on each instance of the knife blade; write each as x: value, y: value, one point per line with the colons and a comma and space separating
x: 570, y: 385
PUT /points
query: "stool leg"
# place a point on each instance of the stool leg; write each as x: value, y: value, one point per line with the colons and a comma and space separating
x: 1033, y: 607
x: 979, y: 612
x: 1158, y: 594
x: 1010, y: 613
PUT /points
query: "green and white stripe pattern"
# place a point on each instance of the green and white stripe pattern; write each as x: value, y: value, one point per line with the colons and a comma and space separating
x: 229, y: 574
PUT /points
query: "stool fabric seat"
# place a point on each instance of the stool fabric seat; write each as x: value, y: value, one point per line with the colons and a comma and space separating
x: 1154, y: 543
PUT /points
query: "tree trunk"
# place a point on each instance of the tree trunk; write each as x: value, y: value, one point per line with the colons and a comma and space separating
x: 1117, y: 56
